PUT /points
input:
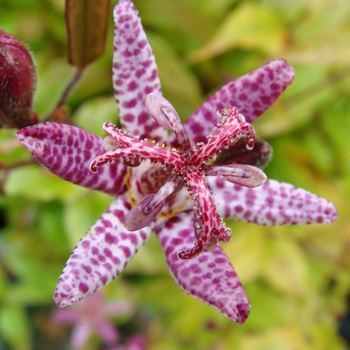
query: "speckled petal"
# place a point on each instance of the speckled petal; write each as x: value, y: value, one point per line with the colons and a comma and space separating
x: 67, y: 151
x: 135, y: 73
x: 100, y: 256
x: 274, y: 203
x: 208, y: 277
x: 251, y: 94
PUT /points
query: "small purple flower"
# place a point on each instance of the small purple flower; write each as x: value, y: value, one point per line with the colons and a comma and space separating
x: 167, y: 184
x: 136, y: 342
x: 92, y: 315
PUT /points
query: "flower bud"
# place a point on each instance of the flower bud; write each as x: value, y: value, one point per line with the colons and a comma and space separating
x: 259, y: 156
x: 17, y: 83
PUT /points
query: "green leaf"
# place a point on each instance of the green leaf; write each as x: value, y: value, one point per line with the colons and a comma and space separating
x: 93, y: 113
x: 34, y: 182
x: 82, y: 213
x: 87, y: 22
x: 179, y: 84
x: 287, y: 338
x: 270, y: 309
x: 182, y: 21
x: 247, y: 251
x: 287, y: 268
x: 52, y: 78
x: 14, y: 327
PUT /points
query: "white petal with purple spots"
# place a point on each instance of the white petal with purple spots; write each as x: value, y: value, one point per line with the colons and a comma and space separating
x: 274, y: 203
x: 208, y: 277
x: 100, y: 256
x: 67, y: 151
x: 252, y: 94
x: 135, y: 73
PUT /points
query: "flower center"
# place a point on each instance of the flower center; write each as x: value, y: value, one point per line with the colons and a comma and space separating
x: 187, y: 167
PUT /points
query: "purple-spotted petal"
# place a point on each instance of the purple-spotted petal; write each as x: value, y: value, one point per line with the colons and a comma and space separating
x: 274, y: 203
x: 135, y: 73
x: 67, y: 151
x: 208, y: 277
x: 251, y: 94
x: 100, y: 256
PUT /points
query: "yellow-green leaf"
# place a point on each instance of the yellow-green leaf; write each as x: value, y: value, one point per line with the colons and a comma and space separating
x: 287, y: 268
x: 247, y: 251
x: 251, y: 26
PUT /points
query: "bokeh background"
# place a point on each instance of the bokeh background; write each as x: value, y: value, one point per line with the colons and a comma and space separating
x: 297, y: 278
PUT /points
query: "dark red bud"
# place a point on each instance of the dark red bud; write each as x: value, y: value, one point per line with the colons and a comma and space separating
x: 259, y: 156
x: 17, y: 83
x: 87, y: 23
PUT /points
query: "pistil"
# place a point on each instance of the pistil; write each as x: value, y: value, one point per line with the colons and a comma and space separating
x: 184, y: 166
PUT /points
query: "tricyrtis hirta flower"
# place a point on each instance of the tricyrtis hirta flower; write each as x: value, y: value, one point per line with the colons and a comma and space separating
x: 166, y: 184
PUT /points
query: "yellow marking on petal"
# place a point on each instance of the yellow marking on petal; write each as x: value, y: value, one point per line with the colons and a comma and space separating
x: 132, y: 199
x: 127, y: 181
x: 171, y: 214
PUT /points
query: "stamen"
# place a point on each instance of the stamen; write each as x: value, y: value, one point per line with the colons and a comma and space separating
x: 212, y: 244
x: 233, y: 128
x: 193, y: 252
x: 240, y: 174
x: 184, y: 165
x: 165, y: 114
x: 136, y: 219
x: 138, y: 151
x: 120, y: 136
x: 207, y: 223
x: 165, y: 191
x: 109, y: 143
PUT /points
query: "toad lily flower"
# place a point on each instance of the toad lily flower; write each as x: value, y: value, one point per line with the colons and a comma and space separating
x: 166, y: 184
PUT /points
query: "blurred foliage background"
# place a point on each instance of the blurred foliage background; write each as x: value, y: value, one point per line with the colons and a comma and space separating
x: 297, y: 278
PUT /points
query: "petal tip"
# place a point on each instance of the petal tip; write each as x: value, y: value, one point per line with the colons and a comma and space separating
x: 31, y: 137
x: 281, y: 67
x: 329, y: 215
x: 243, y: 311
x: 61, y: 301
x: 62, y: 298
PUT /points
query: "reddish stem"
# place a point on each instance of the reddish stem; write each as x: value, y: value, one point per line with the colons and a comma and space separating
x: 66, y: 92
